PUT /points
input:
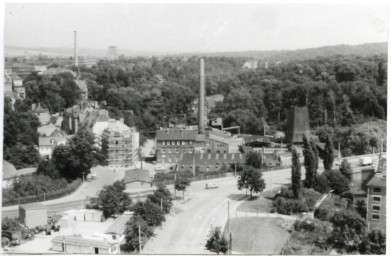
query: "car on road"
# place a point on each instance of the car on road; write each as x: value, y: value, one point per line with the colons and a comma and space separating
x: 211, y: 185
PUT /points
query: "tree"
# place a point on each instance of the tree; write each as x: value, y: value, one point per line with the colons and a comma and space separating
x: 216, y: 242
x: 150, y: 212
x: 113, y: 199
x: 361, y: 208
x: 254, y: 159
x: 251, y: 179
x: 133, y: 226
x: 78, y: 156
x: 9, y: 227
x: 349, y: 230
x: 162, y: 196
x: 47, y: 168
x: 346, y: 170
x: 316, y: 153
x: 374, y: 243
x: 181, y: 184
x: 296, y: 173
x: 309, y: 163
x: 328, y: 156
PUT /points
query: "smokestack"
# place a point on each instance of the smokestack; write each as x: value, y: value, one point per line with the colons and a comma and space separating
x: 201, y: 109
x: 75, y: 49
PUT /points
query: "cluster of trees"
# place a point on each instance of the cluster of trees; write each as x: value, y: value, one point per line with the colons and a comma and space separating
x: 55, y: 93
x: 350, y: 235
x: 147, y: 215
x: 20, y: 136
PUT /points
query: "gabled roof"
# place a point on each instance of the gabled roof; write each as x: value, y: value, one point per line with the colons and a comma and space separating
x: 134, y: 175
x: 47, y: 130
x: 175, y: 134
x: 378, y: 180
x: 82, y: 84
x: 119, y: 224
x: 39, y: 109
x: 81, y: 241
x: 256, y: 138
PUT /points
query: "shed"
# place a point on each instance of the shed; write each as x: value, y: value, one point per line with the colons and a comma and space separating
x: 89, y: 215
x: 33, y: 215
x: 82, y: 245
x: 137, y: 178
x: 119, y: 225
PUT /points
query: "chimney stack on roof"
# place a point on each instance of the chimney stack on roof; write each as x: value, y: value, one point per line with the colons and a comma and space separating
x: 201, y: 110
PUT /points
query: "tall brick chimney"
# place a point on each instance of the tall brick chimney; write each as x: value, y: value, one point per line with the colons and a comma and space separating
x: 201, y: 99
x: 75, y: 59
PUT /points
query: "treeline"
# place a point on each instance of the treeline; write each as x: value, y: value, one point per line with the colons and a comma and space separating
x: 339, y: 91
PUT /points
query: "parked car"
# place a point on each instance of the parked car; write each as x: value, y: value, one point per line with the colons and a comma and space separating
x: 211, y: 185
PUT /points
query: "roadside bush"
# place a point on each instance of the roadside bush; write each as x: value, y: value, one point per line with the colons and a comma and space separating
x: 321, y: 214
x: 169, y: 177
x: 285, y: 203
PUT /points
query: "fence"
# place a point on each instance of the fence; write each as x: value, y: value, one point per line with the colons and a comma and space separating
x: 43, y: 196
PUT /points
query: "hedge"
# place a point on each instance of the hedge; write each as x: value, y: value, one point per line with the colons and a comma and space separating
x: 48, y: 196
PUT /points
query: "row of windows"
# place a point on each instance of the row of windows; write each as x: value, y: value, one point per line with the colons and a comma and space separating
x: 376, y: 190
x: 176, y: 142
x: 176, y: 150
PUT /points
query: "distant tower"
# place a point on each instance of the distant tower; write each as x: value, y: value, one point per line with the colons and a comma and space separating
x: 75, y: 58
x: 112, y: 52
x: 201, y: 99
x: 298, y: 125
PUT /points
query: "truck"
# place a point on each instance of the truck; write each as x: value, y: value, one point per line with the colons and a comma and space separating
x: 365, y: 161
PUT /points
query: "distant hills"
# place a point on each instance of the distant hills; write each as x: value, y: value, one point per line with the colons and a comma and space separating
x: 283, y: 55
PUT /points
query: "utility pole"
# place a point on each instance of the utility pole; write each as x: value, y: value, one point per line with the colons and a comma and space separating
x: 339, y: 153
x: 161, y: 204
x: 228, y: 216
x: 235, y: 168
x: 139, y: 239
x: 230, y: 243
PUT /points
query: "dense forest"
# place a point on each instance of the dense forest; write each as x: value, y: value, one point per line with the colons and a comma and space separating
x: 341, y: 93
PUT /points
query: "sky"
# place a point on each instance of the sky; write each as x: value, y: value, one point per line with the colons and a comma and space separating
x: 194, y: 27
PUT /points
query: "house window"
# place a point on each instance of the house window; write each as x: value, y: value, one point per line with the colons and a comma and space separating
x: 191, y: 142
x: 376, y: 207
x: 163, y: 142
x: 376, y: 198
x: 176, y: 150
x: 377, y: 190
x: 375, y: 216
x: 163, y: 150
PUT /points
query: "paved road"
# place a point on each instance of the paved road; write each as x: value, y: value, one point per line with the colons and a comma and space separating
x: 186, y: 231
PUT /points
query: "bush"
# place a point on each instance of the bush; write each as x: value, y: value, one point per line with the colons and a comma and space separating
x: 11, y: 199
x: 321, y: 214
x: 169, y: 177
x: 285, y: 203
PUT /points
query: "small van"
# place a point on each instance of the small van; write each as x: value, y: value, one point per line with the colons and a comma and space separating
x: 211, y: 185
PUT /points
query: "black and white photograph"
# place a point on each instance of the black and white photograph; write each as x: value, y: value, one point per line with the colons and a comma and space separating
x: 194, y: 128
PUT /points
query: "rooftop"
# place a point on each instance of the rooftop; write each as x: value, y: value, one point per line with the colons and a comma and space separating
x: 82, y: 84
x: 119, y: 224
x: 379, y: 180
x: 81, y: 241
x: 133, y: 175
x: 175, y: 134
x: 9, y: 171
x: 32, y: 206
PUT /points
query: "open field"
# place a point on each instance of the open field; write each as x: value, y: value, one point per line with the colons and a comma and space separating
x: 255, y: 235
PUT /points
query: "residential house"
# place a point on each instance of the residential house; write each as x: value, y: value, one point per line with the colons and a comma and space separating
x: 39, y: 69
x: 55, y: 71
x: 120, y: 143
x: 251, y: 64
x: 48, y: 141
x: 42, y: 113
x: 376, y: 202
x: 74, y: 116
x: 96, y: 122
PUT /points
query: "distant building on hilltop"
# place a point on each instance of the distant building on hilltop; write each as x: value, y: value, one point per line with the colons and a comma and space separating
x: 298, y: 125
x: 42, y: 113
x: 120, y: 143
x: 112, y: 53
x: 251, y: 64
